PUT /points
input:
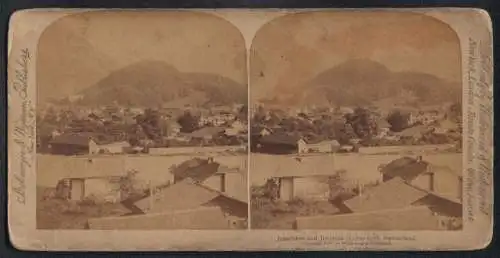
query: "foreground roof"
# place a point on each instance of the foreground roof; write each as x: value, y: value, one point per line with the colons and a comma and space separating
x: 393, y: 194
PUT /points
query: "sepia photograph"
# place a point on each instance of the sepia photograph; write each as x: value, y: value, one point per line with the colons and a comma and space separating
x: 356, y: 123
x: 250, y: 129
x: 141, y: 123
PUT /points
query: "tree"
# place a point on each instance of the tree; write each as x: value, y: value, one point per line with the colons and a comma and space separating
x: 455, y: 114
x: 243, y: 113
x: 188, y: 122
x: 398, y: 120
x: 259, y: 116
x: 362, y: 123
x: 50, y: 116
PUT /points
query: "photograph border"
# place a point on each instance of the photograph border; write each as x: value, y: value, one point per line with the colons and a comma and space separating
x: 21, y: 173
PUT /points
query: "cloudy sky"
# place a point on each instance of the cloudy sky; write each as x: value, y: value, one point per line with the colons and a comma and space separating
x: 77, y: 51
x: 292, y: 49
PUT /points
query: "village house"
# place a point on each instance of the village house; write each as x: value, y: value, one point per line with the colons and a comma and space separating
x: 193, y: 195
x: 75, y: 144
x: 230, y: 181
x: 85, y: 143
x: 441, y: 181
x: 88, y: 181
x: 217, y: 119
x: 173, y: 129
x: 114, y: 147
x: 278, y: 144
x: 415, y: 132
x: 317, y: 146
x: 237, y: 127
x: 445, y: 126
x: 304, y: 178
x: 380, y: 198
x: 428, y: 116
x: 383, y: 127
x: 98, y: 189
x: 206, y: 133
x: 347, y: 148
x: 260, y: 131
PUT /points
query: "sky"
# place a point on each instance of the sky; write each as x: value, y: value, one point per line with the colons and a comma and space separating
x: 76, y: 51
x: 293, y: 49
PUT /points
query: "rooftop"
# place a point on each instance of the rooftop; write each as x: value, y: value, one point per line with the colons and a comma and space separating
x: 406, y: 167
x: 393, y: 194
x: 207, y: 131
x: 182, y: 195
x: 80, y: 139
x: 280, y: 139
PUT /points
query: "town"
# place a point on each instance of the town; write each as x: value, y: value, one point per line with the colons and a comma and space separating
x: 147, y: 168
x: 74, y: 130
x: 341, y: 168
x: 345, y: 129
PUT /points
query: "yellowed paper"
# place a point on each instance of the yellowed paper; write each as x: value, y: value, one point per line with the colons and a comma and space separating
x: 250, y: 129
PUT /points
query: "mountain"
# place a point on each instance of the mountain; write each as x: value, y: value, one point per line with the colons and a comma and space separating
x: 154, y: 83
x: 365, y: 82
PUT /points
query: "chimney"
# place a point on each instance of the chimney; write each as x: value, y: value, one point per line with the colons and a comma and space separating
x: 419, y: 159
x: 210, y: 160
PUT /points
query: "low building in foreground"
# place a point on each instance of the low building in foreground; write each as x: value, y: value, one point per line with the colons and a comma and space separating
x: 197, y: 218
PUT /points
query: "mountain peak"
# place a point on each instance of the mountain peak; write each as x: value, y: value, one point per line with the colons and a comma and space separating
x: 364, y: 82
x: 153, y: 83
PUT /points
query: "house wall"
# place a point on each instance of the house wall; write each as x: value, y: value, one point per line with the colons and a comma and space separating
x: 321, y: 147
x: 448, y: 184
x: 114, y: 148
x: 216, y: 182
x: 443, y: 183
x: 311, y: 188
x: 277, y: 148
x: 230, y: 207
x: 200, y: 218
x: 77, y: 192
x: 236, y: 185
x: 93, y: 147
x: 286, y: 188
x: 102, y: 190
x: 424, y: 181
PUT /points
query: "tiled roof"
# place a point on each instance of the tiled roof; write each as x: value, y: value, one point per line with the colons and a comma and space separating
x: 392, y: 194
x: 196, y: 169
x: 280, y: 139
x: 179, y: 196
x: 409, y: 218
x: 413, y: 131
x: 207, y: 131
x: 406, y: 167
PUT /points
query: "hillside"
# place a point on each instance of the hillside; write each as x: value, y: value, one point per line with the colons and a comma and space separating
x: 363, y: 82
x: 154, y: 83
